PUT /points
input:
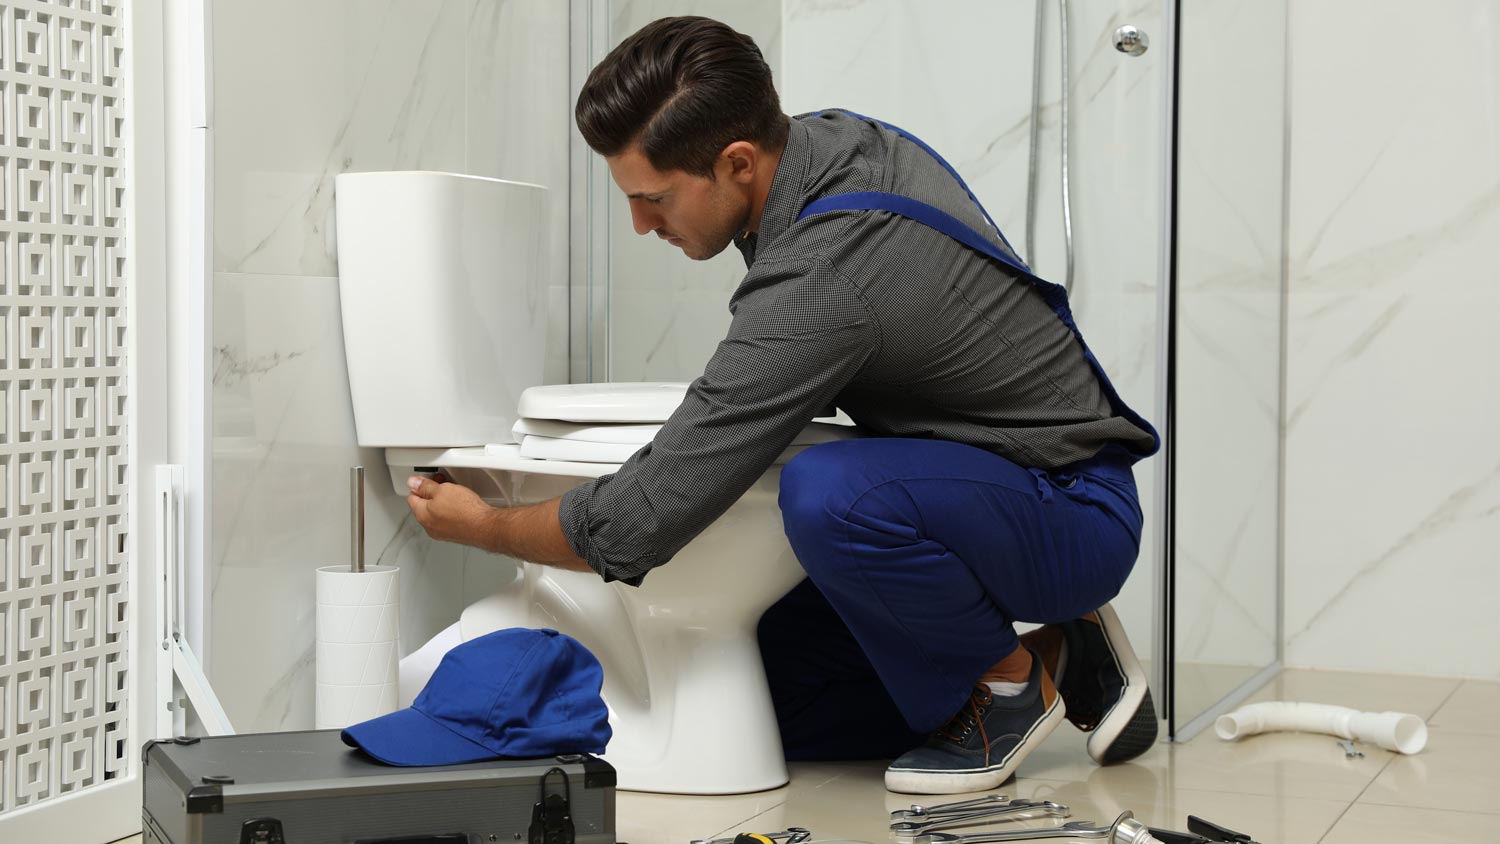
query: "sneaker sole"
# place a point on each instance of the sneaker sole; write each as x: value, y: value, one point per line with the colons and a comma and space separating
x: 1128, y: 729
x: 921, y: 781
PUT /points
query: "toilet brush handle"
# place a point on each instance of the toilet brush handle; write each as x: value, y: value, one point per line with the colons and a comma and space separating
x: 357, y: 519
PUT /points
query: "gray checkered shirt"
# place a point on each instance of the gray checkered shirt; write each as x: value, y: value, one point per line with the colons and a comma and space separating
x: 907, y: 331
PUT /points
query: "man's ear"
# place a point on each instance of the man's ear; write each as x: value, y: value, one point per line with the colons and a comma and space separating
x: 742, y: 158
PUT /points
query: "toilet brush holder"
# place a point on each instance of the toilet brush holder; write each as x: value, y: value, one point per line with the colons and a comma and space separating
x: 358, y: 631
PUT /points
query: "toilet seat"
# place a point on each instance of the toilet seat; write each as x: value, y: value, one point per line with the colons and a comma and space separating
x: 607, y: 423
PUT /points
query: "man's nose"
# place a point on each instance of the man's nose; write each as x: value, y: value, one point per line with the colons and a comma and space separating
x: 643, y: 218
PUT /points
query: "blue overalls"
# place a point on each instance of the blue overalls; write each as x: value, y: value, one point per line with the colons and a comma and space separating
x: 921, y: 554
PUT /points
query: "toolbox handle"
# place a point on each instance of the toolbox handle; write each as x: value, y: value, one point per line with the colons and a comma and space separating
x: 450, y: 838
x: 552, y: 816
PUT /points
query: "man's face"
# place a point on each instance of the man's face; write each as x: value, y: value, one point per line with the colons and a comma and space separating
x: 697, y: 214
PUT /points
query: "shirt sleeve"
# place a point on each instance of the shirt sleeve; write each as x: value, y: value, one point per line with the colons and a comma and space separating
x: 799, y: 336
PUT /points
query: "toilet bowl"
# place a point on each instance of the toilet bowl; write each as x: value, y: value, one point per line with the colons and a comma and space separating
x: 683, y: 678
x: 443, y: 291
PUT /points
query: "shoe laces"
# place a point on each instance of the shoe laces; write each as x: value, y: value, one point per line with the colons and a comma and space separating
x: 968, y: 718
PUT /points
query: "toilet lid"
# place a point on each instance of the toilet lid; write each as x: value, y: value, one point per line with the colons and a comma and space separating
x: 651, y: 402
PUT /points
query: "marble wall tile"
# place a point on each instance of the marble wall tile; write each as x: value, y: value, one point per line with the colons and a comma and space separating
x: 667, y: 313
x: 1393, y: 481
x: 462, y: 85
x: 283, y: 445
x: 305, y: 91
x: 518, y: 121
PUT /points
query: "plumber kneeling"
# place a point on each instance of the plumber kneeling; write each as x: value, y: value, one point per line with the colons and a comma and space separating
x: 994, y: 482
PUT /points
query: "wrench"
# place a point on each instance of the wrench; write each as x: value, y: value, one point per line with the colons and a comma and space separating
x: 1125, y: 830
x: 999, y: 811
x: 944, y: 808
x: 1075, y: 829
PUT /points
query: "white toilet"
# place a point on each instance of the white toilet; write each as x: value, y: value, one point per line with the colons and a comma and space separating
x: 682, y: 673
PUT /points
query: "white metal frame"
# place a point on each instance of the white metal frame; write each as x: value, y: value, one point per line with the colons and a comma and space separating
x: 175, y: 661
x: 181, y: 485
x: 189, y: 144
x: 111, y: 810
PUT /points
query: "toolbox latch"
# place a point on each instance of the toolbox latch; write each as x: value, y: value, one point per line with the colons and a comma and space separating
x: 262, y: 831
x: 552, y: 817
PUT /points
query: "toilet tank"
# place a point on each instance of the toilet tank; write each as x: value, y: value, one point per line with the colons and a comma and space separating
x: 443, y: 291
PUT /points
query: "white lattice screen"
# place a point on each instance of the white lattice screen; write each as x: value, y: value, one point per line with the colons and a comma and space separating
x: 63, y: 633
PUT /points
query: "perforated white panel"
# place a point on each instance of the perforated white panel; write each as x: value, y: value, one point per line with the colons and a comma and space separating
x: 63, y: 633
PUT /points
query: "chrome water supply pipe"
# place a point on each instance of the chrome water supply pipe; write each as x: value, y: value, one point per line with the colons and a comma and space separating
x: 357, y: 519
x: 1032, y: 149
x: 1033, y: 156
x: 1067, y: 193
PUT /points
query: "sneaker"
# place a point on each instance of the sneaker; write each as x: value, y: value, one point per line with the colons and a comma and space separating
x: 1101, y: 682
x: 984, y: 743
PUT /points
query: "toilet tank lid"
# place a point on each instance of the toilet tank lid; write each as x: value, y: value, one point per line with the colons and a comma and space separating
x: 643, y: 402
x: 363, y: 175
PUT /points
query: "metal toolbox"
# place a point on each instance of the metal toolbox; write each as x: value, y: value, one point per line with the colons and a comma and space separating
x: 310, y: 788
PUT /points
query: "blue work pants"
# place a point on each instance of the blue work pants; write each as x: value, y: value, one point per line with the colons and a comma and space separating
x: 920, y: 557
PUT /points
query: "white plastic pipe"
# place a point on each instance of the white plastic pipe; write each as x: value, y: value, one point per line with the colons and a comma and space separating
x: 1398, y: 731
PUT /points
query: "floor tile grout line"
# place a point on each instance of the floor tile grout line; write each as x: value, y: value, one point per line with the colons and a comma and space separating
x: 1388, y: 762
x: 1444, y: 703
x: 1393, y: 757
x: 723, y: 832
x: 1335, y: 825
x: 1432, y: 809
x: 738, y: 825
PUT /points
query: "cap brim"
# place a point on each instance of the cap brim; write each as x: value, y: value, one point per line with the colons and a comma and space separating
x: 409, y: 738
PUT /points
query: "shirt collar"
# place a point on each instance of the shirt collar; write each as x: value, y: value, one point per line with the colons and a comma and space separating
x: 784, y: 199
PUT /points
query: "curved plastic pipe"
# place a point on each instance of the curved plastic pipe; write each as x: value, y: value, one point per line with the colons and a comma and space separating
x: 1398, y: 731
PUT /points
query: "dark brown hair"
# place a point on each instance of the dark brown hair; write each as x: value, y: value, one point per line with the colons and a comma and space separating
x: 683, y: 89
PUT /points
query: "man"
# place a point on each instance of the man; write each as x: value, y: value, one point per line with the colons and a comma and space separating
x: 995, y: 486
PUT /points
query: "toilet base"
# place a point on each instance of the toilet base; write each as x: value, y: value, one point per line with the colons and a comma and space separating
x: 709, y: 728
x: 689, y: 706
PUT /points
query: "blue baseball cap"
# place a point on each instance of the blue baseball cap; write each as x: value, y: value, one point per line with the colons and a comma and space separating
x: 514, y: 693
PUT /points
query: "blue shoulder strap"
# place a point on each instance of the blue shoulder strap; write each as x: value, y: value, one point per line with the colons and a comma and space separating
x: 936, y: 218
x: 952, y: 172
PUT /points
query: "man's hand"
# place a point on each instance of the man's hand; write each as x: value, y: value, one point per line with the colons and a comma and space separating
x: 452, y: 513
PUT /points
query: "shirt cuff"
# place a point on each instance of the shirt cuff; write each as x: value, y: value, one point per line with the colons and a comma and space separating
x: 573, y: 514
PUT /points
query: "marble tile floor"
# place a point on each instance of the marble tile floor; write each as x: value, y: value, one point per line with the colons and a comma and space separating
x: 1278, y: 788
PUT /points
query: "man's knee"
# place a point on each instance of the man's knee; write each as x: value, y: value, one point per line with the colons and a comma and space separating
x: 814, y: 495
x: 837, y: 506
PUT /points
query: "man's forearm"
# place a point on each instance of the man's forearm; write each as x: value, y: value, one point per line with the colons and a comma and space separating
x: 534, y: 533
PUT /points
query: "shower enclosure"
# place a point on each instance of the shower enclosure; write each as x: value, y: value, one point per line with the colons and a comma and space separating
x: 1153, y: 193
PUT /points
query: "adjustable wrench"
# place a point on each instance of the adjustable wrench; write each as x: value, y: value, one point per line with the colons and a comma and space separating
x: 981, y: 814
